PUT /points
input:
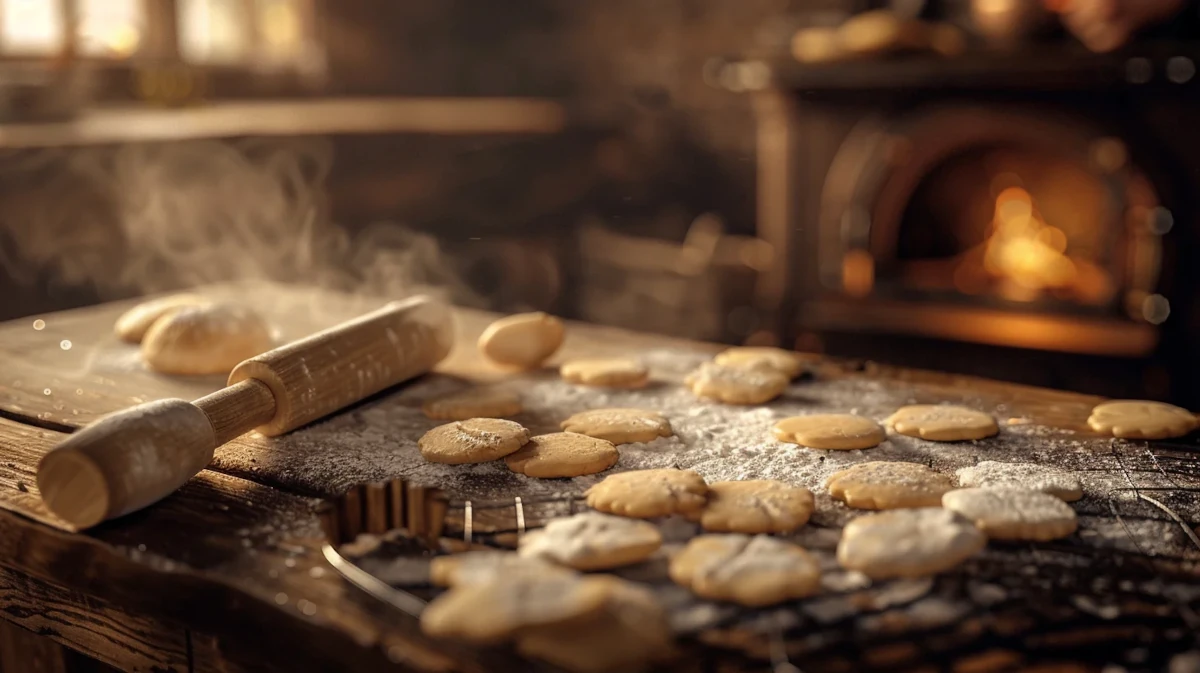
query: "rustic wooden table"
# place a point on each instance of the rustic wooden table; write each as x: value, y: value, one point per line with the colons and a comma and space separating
x: 227, y: 573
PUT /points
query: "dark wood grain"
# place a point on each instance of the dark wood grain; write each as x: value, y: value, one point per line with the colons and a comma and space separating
x: 24, y: 652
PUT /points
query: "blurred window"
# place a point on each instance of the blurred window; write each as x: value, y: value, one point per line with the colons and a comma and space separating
x: 31, y: 27
x: 110, y: 28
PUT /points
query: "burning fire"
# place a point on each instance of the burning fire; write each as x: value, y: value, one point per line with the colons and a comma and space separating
x: 1023, y: 249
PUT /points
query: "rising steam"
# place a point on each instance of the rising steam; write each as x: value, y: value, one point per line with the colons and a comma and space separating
x: 153, y: 218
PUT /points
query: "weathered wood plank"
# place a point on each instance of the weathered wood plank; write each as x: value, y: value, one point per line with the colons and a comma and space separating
x: 24, y: 652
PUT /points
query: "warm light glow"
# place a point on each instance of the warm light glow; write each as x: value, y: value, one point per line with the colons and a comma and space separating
x: 213, y: 31
x: 110, y: 27
x: 280, y: 27
x: 858, y: 273
x: 31, y: 26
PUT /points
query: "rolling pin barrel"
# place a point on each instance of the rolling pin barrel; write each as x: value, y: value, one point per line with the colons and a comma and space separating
x: 130, y: 459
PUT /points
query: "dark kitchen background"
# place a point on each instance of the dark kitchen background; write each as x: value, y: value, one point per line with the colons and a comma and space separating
x: 956, y: 185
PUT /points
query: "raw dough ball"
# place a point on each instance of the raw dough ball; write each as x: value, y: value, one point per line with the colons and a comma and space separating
x: 476, y: 440
x: 209, y: 339
x: 788, y: 363
x: 563, y: 454
x: 880, y: 32
x: 755, y: 506
x: 1135, y: 419
x: 524, y: 340
x: 886, y: 485
x: 592, y: 541
x: 473, y: 403
x: 614, y: 373
x: 751, y: 570
x: 619, y: 426
x: 817, y: 45
x: 646, y: 494
x: 908, y: 543
x: 132, y: 324
x: 474, y: 567
x: 830, y: 431
x: 942, y: 423
x: 630, y: 631
x: 736, y: 385
x: 1013, y: 513
x: 491, y: 612
x: 991, y: 474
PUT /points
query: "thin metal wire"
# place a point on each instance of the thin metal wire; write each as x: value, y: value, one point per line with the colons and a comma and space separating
x: 1171, y: 513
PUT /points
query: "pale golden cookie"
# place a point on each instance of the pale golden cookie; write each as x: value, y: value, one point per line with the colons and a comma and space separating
x: 751, y: 570
x: 736, y: 385
x: 886, y: 485
x: 132, y: 324
x: 1013, y: 513
x: 1136, y: 419
x: 818, y: 44
x: 205, y: 339
x: 524, y: 340
x: 788, y: 363
x: 830, y: 431
x: 991, y: 474
x: 473, y: 403
x: 908, y: 543
x: 629, y: 632
x: 942, y: 422
x: 592, y: 541
x: 619, y: 426
x: 491, y: 612
x: 474, y: 567
x: 646, y: 494
x: 755, y: 506
x: 563, y: 454
x: 476, y: 440
x: 880, y: 31
x: 612, y: 373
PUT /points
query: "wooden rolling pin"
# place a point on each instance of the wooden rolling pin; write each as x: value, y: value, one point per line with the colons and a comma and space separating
x: 130, y: 459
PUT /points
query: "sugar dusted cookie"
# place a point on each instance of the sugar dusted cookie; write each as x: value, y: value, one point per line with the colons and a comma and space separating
x: 788, y: 363
x: 476, y: 440
x: 524, y: 340
x: 887, y: 485
x: 755, y: 506
x: 1134, y: 419
x: 1013, y: 513
x: 991, y: 474
x: 474, y: 567
x: 491, y: 612
x: 736, y: 385
x: 751, y: 570
x: 610, y: 373
x: 485, y: 402
x: 942, y: 422
x: 592, y: 541
x: 619, y: 426
x: 563, y: 454
x: 646, y: 494
x: 830, y: 431
x: 908, y: 543
x: 133, y: 324
x: 630, y: 631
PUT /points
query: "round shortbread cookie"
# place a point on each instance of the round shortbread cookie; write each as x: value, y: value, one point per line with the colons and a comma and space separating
x: 473, y: 403
x: 646, y: 494
x: 475, y: 440
x: 563, y: 454
x: 888, y: 485
x: 991, y: 474
x: 491, y: 612
x: 1013, y: 513
x: 942, y: 423
x: 755, y: 506
x: 908, y: 543
x: 205, y: 339
x: 611, y: 373
x: 788, y: 363
x: 619, y: 426
x: 753, y: 570
x: 133, y: 324
x: 630, y: 631
x: 592, y: 541
x: 524, y: 340
x: 830, y: 431
x: 474, y: 567
x: 736, y: 385
x: 1137, y: 419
